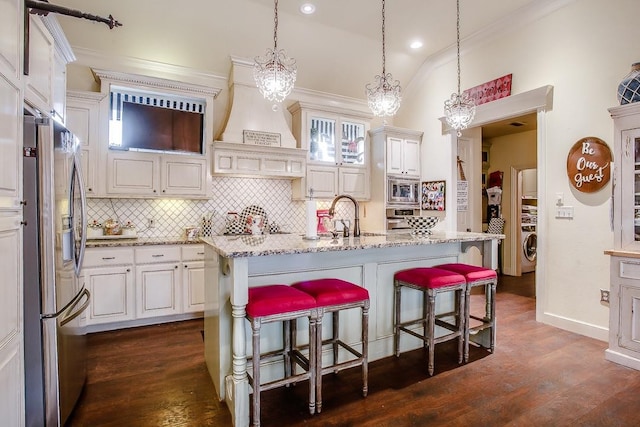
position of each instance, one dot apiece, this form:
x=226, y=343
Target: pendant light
x=383, y=96
x=275, y=73
x=460, y=109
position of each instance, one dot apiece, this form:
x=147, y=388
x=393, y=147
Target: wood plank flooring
x=538, y=376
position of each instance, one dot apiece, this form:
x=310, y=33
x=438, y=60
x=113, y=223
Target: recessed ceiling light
x=416, y=44
x=307, y=8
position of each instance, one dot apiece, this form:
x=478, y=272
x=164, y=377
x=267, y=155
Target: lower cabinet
x=624, y=312
x=150, y=284
x=112, y=294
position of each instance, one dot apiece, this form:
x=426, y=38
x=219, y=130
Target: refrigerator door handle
x=76, y=179
x=73, y=312
x=68, y=306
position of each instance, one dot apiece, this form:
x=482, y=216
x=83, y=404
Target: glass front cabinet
x=624, y=287
x=338, y=151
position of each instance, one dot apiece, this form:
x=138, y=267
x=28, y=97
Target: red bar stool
x=281, y=303
x=431, y=282
x=478, y=276
x=333, y=296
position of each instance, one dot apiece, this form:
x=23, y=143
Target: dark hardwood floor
x=538, y=376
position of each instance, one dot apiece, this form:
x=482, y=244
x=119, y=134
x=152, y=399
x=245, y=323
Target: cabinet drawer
x=101, y=257
x=153, y=254
x=193, y=252
x=630, y=269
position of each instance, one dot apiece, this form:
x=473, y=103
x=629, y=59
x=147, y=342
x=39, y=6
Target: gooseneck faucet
x=356, y=221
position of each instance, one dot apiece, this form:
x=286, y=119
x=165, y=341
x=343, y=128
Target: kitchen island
x=235, y=263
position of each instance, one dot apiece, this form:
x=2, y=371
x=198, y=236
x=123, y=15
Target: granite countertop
x=139, y=241
x=282, y=244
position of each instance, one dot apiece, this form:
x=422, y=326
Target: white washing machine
x=529, y=249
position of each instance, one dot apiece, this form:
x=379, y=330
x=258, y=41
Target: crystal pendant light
x=383, y=96
x=460, y=109
x=275, y=73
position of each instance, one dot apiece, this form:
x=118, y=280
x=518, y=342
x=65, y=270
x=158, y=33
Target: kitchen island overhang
x=235, y=263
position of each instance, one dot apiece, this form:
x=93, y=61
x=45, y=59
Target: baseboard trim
x=575, y=326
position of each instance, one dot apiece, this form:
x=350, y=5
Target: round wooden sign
x=589, y=164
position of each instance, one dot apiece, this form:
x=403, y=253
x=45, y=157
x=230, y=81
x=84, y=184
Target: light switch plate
x=565, y=212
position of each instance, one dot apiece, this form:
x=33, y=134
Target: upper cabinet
x=82, y=118
x=337, y=144
x=403, y=155
x=39, y=66
x=151, y=175
x=626, y=220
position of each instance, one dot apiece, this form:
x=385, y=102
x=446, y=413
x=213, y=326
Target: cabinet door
x=10, y=144
x=322, y=139
x=82, y=119
x=353, y=147
x=184, y=176
x=629, y=186
x=11, y=330
x=157, y=289
x=39, y=82
x=323, y=180
x=59, y=87
x=133, y=173
x=193, y=286
x=630, y=317
x=394, y=155
x=112, y=296
x=355, y=182
x=411, y=157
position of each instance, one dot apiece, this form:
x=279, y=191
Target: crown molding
x=122, y=77
x=60, y=40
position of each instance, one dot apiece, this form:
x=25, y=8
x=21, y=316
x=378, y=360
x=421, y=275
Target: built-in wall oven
x=403, y=192
x=396, y=218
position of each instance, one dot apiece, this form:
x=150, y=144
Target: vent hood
x=249, y=111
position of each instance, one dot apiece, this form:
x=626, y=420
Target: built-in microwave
x=403, y=192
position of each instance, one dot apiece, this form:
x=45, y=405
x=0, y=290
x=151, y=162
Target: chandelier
x=275, y=73
x=383, y=96
x=460, y=109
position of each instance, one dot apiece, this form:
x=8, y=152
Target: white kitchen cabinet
x=40, y=73
x=193, y=278
x=82, y=118
x=334, y=139
x=158, y=281
x=153, y=175
x=158, y=289
x=403, y=156
x=112, y=294
x=624, y=288
x=12, y=391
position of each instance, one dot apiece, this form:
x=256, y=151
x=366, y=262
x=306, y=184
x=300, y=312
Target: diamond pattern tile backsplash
x=229, y=194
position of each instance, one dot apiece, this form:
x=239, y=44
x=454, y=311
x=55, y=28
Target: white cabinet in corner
x=236, y=159
x=403, y=156
x=193, y=278
x=136, y=174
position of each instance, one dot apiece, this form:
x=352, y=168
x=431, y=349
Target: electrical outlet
x=151, y=223
x=604, y=295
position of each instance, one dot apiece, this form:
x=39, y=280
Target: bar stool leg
x=492, y=314
x=365, y=350
x=467, y=317
x=318, y=360
x=255, y=326
x=396, y=326
x=336, y=330
x=461, y=323
x=432, y=327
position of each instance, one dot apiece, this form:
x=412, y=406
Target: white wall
x=582, y=49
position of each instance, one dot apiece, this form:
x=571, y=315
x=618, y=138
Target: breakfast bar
x=233, y=264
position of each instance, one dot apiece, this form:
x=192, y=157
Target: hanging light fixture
x=383, y=96
x=460, y=109
x=275, y=73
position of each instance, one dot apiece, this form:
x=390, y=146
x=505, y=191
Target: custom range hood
x=256, y=140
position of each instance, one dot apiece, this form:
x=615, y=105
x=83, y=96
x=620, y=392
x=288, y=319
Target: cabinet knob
x=154, y=191
x=176, y=266
x=164, y=191
x=90, y=189
x=186, y=266
x=128, y=270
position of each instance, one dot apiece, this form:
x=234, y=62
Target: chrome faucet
x=356, y=221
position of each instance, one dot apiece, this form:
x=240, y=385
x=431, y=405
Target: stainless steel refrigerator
x=54, y=296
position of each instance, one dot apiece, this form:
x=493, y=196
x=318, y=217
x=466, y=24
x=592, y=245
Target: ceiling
x=338, y=49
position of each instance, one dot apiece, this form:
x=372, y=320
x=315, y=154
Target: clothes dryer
x=529, y=250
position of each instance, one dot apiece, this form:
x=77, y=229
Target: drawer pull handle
x=157, y=256
x=200, y=253
x=107, y=258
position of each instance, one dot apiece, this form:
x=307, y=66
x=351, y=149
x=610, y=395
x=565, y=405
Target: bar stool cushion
x=332, y=291
x=276, y=299
x=429, y=277
x=471, y=272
